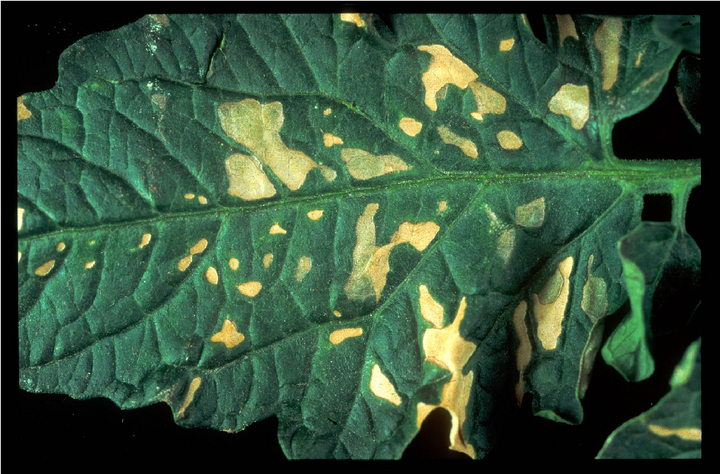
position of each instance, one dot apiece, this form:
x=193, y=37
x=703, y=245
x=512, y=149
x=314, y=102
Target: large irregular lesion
x=371, y=263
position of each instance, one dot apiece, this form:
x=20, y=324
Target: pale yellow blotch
x=444, y=69
x=327, y=111
x=90, y=264
x=184, y=263
x=337, y=313
x=194, y=385
x=60, y=247
x=234, y=263
x=607, y=41
x=448, y=350
x=550, y=303
x=257, y=127
x=364, y=165
x=250, y=288
x=574, y=102
x=524, y=350
x=381, y=386
x=45, y=268
x=202, y=200
x=442, y=206
x=159, y=100
x=276, y=229
x=353, y=18
x=339, y=335
x=228, y=335
x=594, y=299
x=212, y=275
x=303, y=268
x=566, y=27
x=161, y=19
x=329, y=140
x=509, y=140
x=488, y=101
x=371, y=263
x=189, y=196
x=19, y=256
x=431, y=311
x=20, y=214
x=689, y=434
x=199, y=247
x=315, y=214
x=506, y=244
x=506, y=45
x=267, y=260
x=22, y=111
x=639, y=58
x=410, y=126
x=531, y=214
x=144, y=240
x=247, y=179
x=465, y=145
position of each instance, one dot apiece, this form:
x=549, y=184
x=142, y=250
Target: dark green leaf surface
x=672, y=428
x=344, y=227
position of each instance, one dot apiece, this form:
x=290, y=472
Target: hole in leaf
x=432, y=441
x=660, y=132
x=537, y=25
x=657, y=207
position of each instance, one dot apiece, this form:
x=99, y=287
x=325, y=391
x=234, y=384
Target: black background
x=55, y=430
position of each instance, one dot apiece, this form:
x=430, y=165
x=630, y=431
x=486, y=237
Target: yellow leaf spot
x=488, y=101
x=144, y=240
x=410, y=126
x=234, y=263
x=465, y=145
x=509, y=140
x=690, y=434
x=531, y=214
x=228, y=335
x=506, y=45
x=212, y=275
x=353, y=18
x=329, y=140
x=594, y=299
x=199, y=247
x=566, y=27
x=194, y=385
x=189, y=196
x=327, y=111
x=19, y=256
x=184, y=263
x=381, y=386
x=276, y=229
x=45, y=268
x=607, y=41
x=430, y=310
x=20, y=214
x=247, y=179
x=444, y=69
x=202, y=199
x=267, y=260
x=524, y=350
x=573, y=102
x=315, y=214
x=445, y=348
x=337, y=313
x=257, y=127
x=60, y=247
x=550, y=303
x=506, y=244
x=22, y=111
x=442, y=206
x=371, y=263
x=303, y=268
x=364, y=165
x=638, y=59
x=90, y=264
x=250, y=288
x=339, y=335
